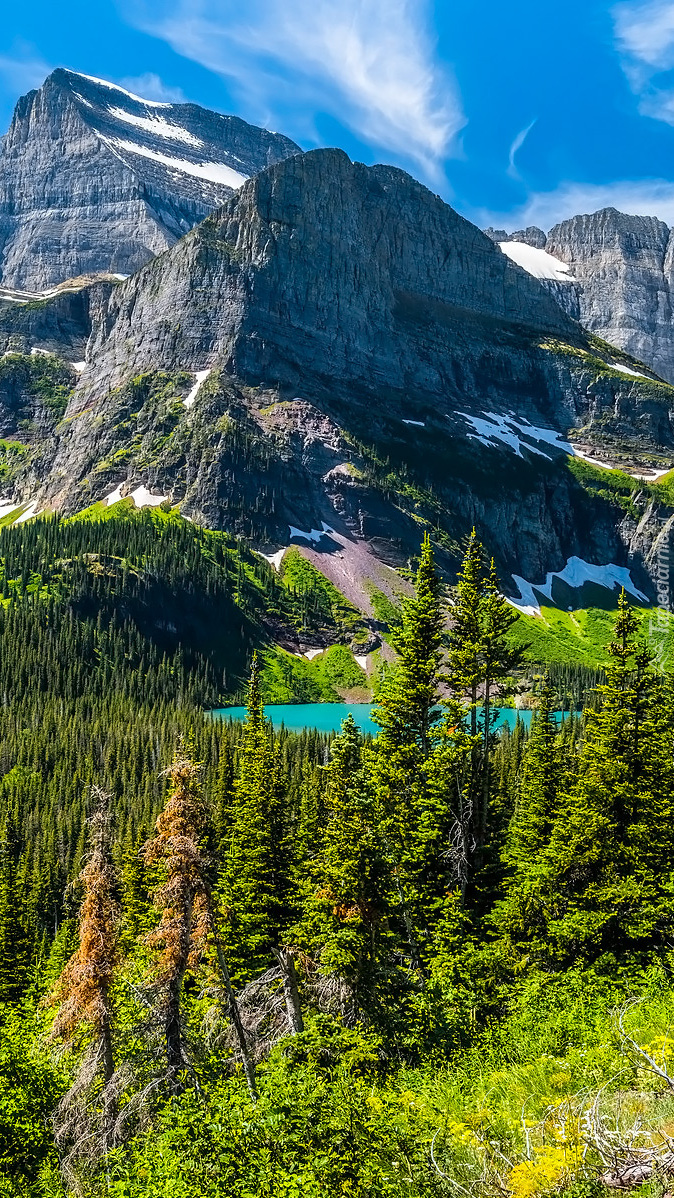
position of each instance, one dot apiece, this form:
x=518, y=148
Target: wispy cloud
x=644, y=197
x=517, y=145
x=369, y=63
x=23, y=68
x=645, y=36
x=151, y=87
x=646, y=32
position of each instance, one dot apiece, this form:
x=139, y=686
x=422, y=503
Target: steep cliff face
x=620, y=272
x=624, y=266
x=95, y=179
x=336, y=359
x=325, y=266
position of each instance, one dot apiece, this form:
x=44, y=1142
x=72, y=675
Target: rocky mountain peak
x=320, y=266
x=94, y=178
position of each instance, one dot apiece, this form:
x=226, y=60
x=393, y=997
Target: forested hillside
x=237, y=962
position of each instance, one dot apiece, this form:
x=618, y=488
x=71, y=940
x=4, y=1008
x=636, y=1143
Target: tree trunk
x=109, y=1102
x=174, y=1050
x=248, y=1066
x=290, y=989
x=484, y=807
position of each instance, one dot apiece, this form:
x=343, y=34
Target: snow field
x=538, y=263
x=575, y=573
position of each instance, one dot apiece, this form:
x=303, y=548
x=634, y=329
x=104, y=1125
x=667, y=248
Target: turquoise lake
x=327, y=717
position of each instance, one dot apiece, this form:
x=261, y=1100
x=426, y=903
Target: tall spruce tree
x=414, y=811
x=602, y=886
x=253, y=882
x=344, y=911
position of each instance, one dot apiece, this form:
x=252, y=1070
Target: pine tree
x=602, y=885
x=346, y=904
x=414, y=811
x=182, y=899
x=83, y=989
x=481, y=661
x=538, y=791
x=253, y=884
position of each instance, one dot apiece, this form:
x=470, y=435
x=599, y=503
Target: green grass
x=290, y=679
x=582, y=637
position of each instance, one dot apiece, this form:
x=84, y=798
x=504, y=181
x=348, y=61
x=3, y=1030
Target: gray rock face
x=532, y=235
x=60, y=323
x=625, y=267
x=322, y=266
x=94, y=179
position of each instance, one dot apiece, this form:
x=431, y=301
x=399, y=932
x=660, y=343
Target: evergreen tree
x=183, y=899
x=602, y=884
x=252, y=884
x=345, y=909
x=414, y=810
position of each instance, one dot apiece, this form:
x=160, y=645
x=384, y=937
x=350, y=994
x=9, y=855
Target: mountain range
x=310, y=351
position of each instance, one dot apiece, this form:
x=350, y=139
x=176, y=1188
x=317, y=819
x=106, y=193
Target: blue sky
x=516, y=112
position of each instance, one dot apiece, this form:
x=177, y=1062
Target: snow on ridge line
x=213, y=172
x=116, y=88
x=200, y=376
x=156, y=125
x=575, y=573
x=627, y=370
x=418, y=423
x=536, y=262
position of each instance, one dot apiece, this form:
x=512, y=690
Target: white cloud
x=369, y=63
x=517, y=145
x=645, y=32
x=151, y=87
x=644, y=197
x=645, y=35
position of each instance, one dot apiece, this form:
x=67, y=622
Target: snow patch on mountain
x=575, y=573
x=214, y=172
x=156, y=125
x=116, y=88
x=638, y=374
x=538, y=263
x=200, y=376
x=510, y=431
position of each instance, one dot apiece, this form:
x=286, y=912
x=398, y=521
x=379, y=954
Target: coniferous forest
x=240, y=962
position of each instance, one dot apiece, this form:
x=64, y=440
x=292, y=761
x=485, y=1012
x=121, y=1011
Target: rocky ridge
x=621, y=271
x=94, y=178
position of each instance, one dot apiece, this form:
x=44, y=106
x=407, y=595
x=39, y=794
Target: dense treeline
x=247, y=963
x=142, y=591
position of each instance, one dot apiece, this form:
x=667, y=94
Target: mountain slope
x=93, y=178
x=336, y=359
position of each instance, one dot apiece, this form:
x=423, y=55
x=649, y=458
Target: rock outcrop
x=93, y=178
x=625, y=266
x=621, y=270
